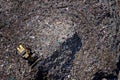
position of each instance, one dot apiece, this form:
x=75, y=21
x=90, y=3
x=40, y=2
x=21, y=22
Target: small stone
x=104, y=79
x=32, y=37
x=2, y=65
x=58, y=22
x=67, y=8
x=68, y=76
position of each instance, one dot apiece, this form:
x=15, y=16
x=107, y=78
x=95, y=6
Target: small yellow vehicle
x=27, y=55
x=24, y=52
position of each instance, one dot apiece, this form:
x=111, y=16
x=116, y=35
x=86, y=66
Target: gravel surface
x=77, y=40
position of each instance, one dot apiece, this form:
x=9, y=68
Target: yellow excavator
x=27, y=55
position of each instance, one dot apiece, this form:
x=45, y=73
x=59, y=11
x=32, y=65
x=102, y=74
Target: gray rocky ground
x=78, y=40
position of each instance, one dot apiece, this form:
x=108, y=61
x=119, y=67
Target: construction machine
x=27, y=54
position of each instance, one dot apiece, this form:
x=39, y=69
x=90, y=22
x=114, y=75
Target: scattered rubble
x=49, y=28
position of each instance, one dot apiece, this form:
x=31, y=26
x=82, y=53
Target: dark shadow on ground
x=59, y=64
x=100, y=74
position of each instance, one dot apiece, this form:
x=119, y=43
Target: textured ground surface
x=79, y=40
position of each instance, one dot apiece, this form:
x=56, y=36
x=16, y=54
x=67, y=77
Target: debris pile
x=77, y=40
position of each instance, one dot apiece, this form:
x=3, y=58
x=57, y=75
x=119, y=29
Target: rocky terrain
x=77, y=40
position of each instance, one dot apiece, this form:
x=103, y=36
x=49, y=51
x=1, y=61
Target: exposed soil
x=76, y=40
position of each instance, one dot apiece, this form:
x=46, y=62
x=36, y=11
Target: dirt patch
x=46, y=26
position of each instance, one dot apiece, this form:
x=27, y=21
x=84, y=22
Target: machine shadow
x=59, y=64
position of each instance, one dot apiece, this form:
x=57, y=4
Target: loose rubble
x=48, y=28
